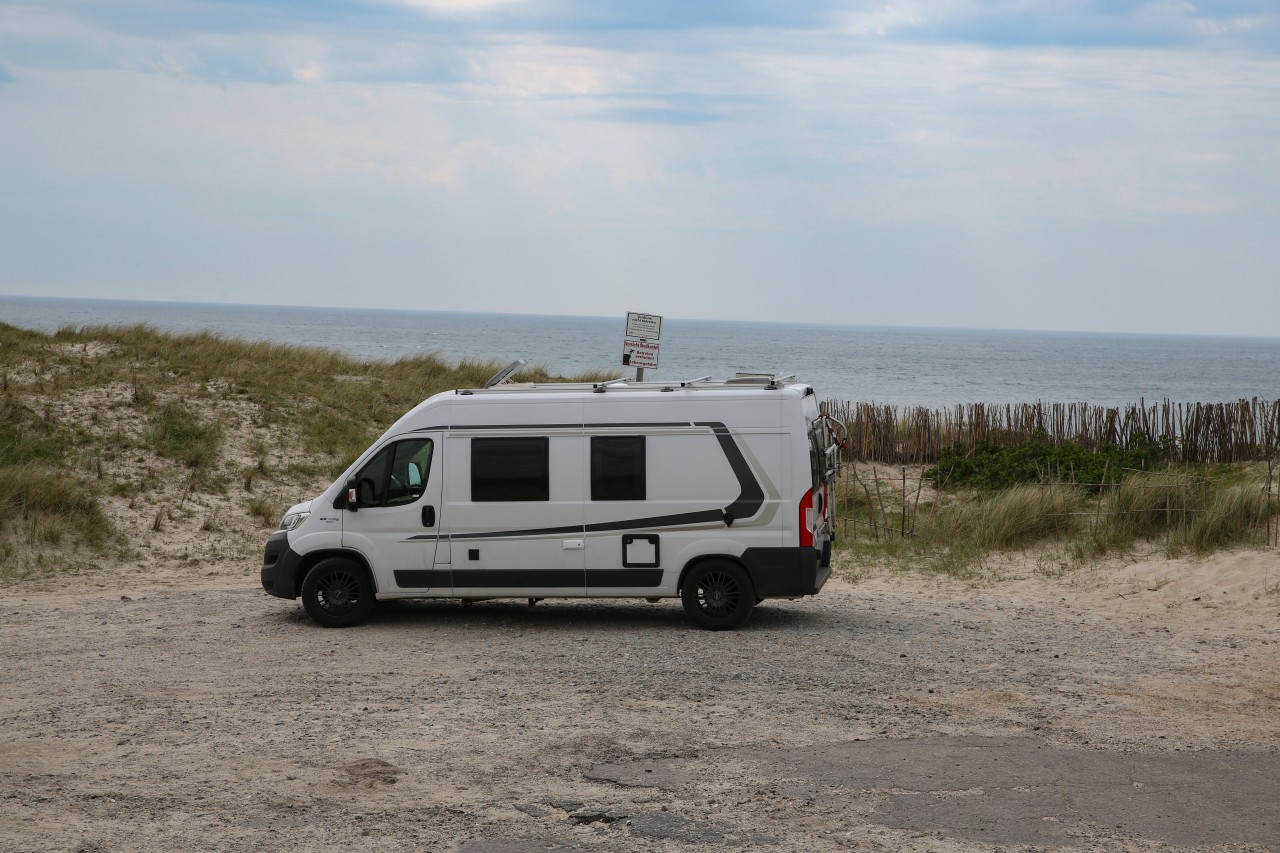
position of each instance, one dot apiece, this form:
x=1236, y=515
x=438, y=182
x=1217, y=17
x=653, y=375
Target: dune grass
x=26, y=437
x=337, y=404
x=1011, y=518
x=1177, y=510
x=177, y=433
x=266, y=510
x=49, y=505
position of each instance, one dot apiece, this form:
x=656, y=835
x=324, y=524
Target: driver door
x=397, y=517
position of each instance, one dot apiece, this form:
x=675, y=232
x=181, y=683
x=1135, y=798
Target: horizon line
x=622, y=318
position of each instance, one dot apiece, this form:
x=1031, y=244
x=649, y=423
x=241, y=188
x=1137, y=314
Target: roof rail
x=499, y=383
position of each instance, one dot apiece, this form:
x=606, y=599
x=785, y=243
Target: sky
x=1096, y=165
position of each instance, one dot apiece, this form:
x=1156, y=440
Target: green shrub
x=52, y=502
x=179, y=434
x=266, y=510
x=26, y=437
x=1011, y=518
x=1150, y=502
x=1038, y=460
x=1229, y=516
x=342, y=436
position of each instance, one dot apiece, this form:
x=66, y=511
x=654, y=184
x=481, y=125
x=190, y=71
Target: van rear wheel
x=337, y=593
x=717, y=595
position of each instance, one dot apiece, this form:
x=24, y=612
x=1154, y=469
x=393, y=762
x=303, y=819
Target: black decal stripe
x=519, y=578
x=654, y=425
x=619, y=578
x=506, y=534
x=683, y=519
x=529, y=578
x=424, y=579
x=464, y=427
x=679, y=520
x=752, y=496
x=617, y=425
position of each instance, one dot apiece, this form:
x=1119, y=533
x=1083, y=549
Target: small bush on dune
x=1038, y=460
x=52, y=502
x=1148, y=503
x=1191, y=513
x=26, y=437
x=1229, y=516
x=1012, y=518
x=338, y=434
x=1023, y=515
x=266, y=510
x=179, y=434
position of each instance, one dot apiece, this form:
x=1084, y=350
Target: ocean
x=887, y=365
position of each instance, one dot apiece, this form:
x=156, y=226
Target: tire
x=717, y=595
x=337, y=593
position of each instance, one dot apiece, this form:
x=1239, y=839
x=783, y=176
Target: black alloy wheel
x=718, y=595
x=337, y=593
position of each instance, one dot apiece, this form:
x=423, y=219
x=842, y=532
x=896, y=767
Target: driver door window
x=396, y=475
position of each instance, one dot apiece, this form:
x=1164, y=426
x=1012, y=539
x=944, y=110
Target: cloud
x=459, y=7
x=1253, y=24
x=656, y=115
x=5, y=76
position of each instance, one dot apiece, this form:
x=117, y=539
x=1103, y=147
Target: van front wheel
x=337, y=593
x=717, y=595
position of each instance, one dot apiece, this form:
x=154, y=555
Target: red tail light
x=806, y=520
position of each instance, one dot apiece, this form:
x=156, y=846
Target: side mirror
x=353, y=496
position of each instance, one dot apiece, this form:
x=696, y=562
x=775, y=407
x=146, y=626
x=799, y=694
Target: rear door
x=398, y=515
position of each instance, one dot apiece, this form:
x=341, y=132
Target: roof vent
x=505, y=373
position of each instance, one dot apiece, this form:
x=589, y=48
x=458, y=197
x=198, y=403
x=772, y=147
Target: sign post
x=640, y=344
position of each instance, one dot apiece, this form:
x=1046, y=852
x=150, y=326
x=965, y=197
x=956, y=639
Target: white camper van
x=715, y=492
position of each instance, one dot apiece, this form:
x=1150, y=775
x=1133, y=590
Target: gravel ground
x=206, y=715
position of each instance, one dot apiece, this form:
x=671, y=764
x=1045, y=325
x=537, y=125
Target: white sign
x=639, y=353
x=645, y=326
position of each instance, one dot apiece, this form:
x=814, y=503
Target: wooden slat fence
x=1242, y=431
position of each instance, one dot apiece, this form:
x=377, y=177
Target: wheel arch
x=705, y=558
x=310, y=559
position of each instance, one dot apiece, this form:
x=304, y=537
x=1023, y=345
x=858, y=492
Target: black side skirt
x=529, y=579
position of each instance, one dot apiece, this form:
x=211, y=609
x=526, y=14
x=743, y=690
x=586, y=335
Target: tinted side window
x=617, y=468
x=510, y=469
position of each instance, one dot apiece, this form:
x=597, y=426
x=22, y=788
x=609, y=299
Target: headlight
x=292, y=520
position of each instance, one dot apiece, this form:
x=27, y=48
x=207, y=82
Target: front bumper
x=280, y=566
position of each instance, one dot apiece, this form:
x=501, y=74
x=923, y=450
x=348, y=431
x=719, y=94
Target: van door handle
x=428, y=516
x=571, y=544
